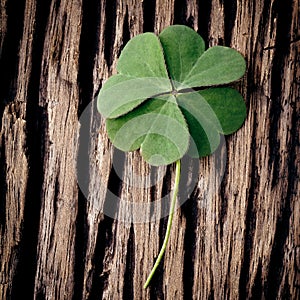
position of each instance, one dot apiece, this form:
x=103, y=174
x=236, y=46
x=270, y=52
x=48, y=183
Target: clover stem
x=170, y=219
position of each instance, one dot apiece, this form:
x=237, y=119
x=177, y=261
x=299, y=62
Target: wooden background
x=243, y=243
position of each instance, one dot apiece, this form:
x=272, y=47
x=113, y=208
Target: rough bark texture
x=241, y=241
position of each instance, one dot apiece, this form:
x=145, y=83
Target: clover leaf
x=168, y=99
x=150, y=103
x=160, y=118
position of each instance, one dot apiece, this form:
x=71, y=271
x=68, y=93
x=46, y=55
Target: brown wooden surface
x=242, y=242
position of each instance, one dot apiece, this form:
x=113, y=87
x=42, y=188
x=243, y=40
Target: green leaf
x=143, y=57
x=142, y=75
x=228, y=106
x=182, y=48
x=122, y=93
x=157, y=127
x=208, y=113
x=217, y=65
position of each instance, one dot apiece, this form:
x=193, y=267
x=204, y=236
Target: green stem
x=170, y=219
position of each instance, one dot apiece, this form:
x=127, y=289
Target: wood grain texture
x=238, y=234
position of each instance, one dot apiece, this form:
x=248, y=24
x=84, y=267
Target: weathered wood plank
x=59, y=98
x=13, y=154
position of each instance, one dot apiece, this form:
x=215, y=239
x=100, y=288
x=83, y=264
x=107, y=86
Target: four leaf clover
x=162, y=100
